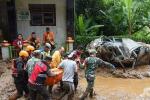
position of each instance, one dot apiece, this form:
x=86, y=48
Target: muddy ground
x=131, y=85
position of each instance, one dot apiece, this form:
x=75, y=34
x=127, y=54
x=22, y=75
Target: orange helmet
x=30, y=48
x=23, y=53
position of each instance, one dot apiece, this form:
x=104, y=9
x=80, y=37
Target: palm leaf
x=94, y=27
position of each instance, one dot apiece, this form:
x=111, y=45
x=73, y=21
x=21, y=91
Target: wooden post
x=70, y=42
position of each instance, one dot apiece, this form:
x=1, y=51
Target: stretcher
x=54, y=79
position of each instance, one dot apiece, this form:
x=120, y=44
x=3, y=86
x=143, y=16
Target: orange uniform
x=48, y=37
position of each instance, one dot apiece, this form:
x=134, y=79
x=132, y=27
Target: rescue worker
x=46, y=51
x=20, y=75
x=91, y=63
x=37, y=79
x=30, y=50
x=34, y=40
x=48, y=37
x=69, y=67
x=57, y=57
x=77, y=53
x=32, y=61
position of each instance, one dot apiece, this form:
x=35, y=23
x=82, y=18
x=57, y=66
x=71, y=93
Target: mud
x=120, y=89
x=7, y=87
x=139, y=72
x=131, y=85
x=119, y=85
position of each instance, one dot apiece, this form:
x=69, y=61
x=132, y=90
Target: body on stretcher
x=54, y=79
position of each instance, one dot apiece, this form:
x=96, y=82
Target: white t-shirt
x=70, y=67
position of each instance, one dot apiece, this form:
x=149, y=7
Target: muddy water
x=114, y=87
x=135, y=86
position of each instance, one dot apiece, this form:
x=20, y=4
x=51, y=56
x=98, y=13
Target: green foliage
x=90, y=8
x=142, y=35
x=84, y=40
x=130, y=10
x=127, y=9
x=80, y=26
x=85, y=27
x=119, y=17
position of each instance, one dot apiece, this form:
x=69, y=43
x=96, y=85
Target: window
x=42, y=14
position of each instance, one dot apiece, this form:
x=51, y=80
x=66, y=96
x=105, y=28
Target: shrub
x=84, y=40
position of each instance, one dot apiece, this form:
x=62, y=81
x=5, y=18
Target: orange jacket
x=48, y=37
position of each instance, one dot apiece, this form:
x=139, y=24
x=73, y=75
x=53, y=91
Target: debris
x=146, y=74
x=121, y=51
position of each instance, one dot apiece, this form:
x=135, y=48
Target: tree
x=117, y=16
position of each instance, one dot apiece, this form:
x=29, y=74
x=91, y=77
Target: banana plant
x=130, y=8
x=84, y=26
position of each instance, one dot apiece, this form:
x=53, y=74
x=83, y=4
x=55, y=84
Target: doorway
x=12, y=24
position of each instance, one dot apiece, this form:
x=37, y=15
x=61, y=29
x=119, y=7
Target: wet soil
x=131, y=85
x=119, y=85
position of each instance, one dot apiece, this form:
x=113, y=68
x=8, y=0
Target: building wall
x=24, y=27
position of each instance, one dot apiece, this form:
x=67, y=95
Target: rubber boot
x=91, y=93
x=50, y=89
x=76, y=81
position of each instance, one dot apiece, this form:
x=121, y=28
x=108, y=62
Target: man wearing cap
x=69, y=67
x=20, y=75
x=46, y=51
x=90, y=64
x=30, y=50
x=37, y=79
x=77, y=53
x=32, y=61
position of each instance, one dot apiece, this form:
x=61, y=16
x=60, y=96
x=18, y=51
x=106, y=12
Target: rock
x=120, y=75
x=139, y=76
x=146, y=74
x=126, y=75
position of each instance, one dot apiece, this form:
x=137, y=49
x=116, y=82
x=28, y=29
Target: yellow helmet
x=30, y=48
x=23, y=53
